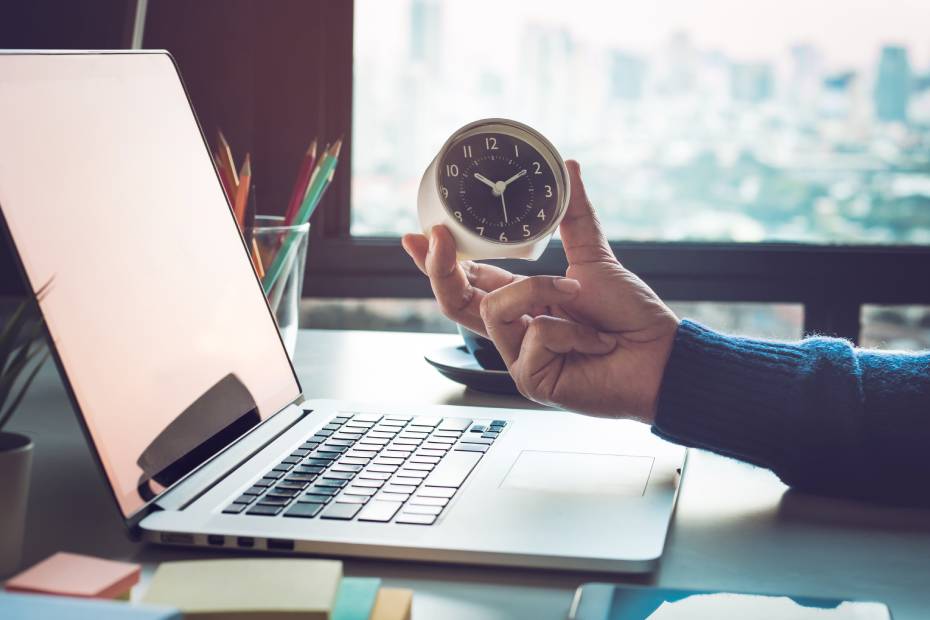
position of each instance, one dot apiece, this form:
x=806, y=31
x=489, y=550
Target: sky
x=848, y=32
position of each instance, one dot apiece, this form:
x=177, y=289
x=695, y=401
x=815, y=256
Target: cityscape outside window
x=721, y=120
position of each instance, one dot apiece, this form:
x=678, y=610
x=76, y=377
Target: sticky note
x=70, y=574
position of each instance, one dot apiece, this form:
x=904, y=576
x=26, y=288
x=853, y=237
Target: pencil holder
x=279, y=259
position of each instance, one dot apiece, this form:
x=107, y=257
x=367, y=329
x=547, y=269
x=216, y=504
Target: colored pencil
x=320, y=180
x=257, y=259
x=242, y=194
x=227, y=166
x=301, y=184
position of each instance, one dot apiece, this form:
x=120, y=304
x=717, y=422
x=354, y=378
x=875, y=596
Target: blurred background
x=764, y=165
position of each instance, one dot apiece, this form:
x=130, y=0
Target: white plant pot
x=15, y=467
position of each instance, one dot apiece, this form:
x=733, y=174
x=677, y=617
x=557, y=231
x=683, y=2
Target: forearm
x=822, y=415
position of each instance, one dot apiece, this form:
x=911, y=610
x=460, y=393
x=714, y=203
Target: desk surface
x=736, y=527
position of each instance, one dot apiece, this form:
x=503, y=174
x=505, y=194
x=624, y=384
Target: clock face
x=499, y=187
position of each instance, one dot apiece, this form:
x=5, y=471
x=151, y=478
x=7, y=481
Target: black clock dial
x=498, y=187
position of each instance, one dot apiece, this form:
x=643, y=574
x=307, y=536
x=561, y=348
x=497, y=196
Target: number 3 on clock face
x=499, y=187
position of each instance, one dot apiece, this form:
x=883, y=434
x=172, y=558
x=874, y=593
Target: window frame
x=832, y=282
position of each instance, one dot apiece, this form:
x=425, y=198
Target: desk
x=736, y=527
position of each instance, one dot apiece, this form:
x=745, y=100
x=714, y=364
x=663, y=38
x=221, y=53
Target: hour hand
x=484, y=180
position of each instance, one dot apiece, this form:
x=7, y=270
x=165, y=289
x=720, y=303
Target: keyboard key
x=317, y=461
x=362, y=454
x=289, y=491
x=234, y=509
x=443, y=440
x=308, y=469
x=401, y=454
x=279, y=470
x=389, y=469
x=354, y=460
x=407, y=441
x=499, y=423
x=374, y=475
x=328, y=447
x=318, y=489
x=454, y=424
x=412, y=473
x=305, y=511
x=436, y=492
x=264, y=511
x=331, y=427
x=366, y=417
x=245, y=498
x=288, y=484
x=413, y=435
x=379, y=511
x=425, y=421
x=418, y=467
x=342, y=418
x=339, y=442
x=433, y=445
x=372, y=443
x=354, y=490
x=352, y=499
x=310, y=445
x=410, y=482
x=453, y=469
x=414, y=519
x=452, y=434
x=428, y=452
x=361, y=482
x=398, y=488
x=379, y=435
x=273, y=500
x=395, y=424
x=341, y=511
x=393, y=497
x=346, y=436
x=292, y=460
x=395, y=416
x=314, y=499
x=419, y=500
x=331, y=482
x=384, y=460
x=326, y=454
x=307, y=478
x=417, y=458
x=473, y=439
x=300, y=452
x=472, y=447
x=340, y=475
x=255, y=490
x=478, y=428
x=342, y=466
x=265, y=482
x=490, y=435
x=414, y=509
x=390, y=430
x=321, y=434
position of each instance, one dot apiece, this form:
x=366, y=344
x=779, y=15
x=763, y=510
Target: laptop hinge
x=215, y=470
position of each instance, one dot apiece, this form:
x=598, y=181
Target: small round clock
x=499, y=187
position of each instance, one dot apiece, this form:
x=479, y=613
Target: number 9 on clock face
x=498, y=183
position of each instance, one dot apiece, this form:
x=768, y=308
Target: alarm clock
x=500, y=188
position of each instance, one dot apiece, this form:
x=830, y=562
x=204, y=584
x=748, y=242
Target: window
x=691, y=121
x=896, y=327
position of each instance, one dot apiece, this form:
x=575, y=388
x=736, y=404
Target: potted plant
x=22, y=353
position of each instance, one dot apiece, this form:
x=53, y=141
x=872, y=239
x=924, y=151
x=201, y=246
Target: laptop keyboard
x=368, y=467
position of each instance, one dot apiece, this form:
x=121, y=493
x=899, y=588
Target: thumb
x=582, y=236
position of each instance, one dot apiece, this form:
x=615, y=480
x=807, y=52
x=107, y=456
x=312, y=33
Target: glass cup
x=283, y=255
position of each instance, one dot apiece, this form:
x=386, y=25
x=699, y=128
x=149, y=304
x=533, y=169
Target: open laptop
x=166, y=344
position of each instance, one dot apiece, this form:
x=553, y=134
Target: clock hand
x=504, y=205
x=514, y=178
x=484, y=180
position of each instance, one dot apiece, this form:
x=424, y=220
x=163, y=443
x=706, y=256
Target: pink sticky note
x=69, y=574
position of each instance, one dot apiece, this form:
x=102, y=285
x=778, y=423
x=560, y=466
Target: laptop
x=174, y=364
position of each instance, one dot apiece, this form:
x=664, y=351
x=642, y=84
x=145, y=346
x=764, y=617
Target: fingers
x=582, y=236
x=488, y=277
x=506, y=311
x=548, y=338
x=416, y=246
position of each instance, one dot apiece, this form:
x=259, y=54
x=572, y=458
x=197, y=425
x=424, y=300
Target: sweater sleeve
x=824, y=416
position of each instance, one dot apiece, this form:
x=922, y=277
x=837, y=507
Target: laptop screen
x=156, y=315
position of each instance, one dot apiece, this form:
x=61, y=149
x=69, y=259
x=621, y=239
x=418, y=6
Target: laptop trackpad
x=579, y=473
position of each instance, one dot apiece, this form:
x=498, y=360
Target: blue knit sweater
x=824, y=416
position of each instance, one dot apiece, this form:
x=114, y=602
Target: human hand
x=595, y=342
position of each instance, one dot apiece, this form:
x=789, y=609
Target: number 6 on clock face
x=499, y=186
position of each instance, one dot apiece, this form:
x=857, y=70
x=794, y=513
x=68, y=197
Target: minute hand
x=514, y=177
